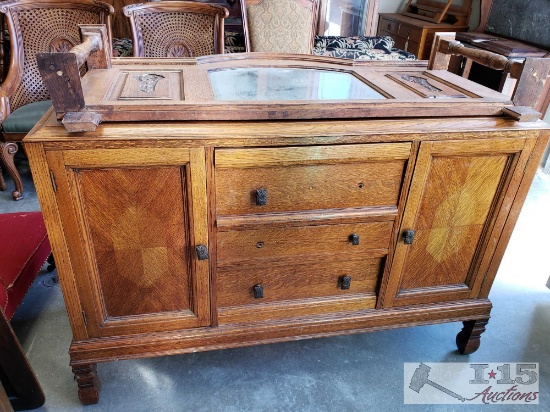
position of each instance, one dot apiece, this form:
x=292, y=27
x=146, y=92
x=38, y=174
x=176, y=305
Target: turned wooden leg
x=7, y=152
x=467, y=339
x=51, y=263
x=88, y=383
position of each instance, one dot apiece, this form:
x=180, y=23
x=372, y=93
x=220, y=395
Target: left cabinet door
x=132, y=220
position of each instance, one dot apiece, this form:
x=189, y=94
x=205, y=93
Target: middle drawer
x=266, y=180
x=291, y=244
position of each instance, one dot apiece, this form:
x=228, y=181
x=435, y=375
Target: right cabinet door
x=459, y=200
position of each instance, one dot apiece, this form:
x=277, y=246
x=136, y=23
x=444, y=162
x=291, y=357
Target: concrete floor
x=348, y=373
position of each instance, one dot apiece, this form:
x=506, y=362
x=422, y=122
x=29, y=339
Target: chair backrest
x=176, y=28
x=36, y=26
x=280, y=26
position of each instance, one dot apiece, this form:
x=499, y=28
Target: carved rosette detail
x=11, y=148
x=7, y=4
x=148, y=82
x=128, y=10
x=422, y=82
x=179, y=49
x=61, y=45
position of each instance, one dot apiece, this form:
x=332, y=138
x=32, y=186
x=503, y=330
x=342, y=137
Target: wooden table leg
x=7, y=153
x=468, y=339
x=88, y=383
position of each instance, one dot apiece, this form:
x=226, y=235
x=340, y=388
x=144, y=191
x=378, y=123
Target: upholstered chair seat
x=23, y=119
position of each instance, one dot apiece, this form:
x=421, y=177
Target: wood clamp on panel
x=61, y=75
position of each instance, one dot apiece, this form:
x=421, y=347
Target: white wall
x=391, y=6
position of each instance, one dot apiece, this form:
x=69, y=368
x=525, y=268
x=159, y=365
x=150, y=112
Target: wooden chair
x=36, y=26
x=176, y=28
x=280, y=26
x=517, y=36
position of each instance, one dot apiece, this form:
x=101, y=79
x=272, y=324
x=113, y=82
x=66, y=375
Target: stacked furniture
x=281, y=197
x=514, y=29
x=363, y=47
x=414, y=29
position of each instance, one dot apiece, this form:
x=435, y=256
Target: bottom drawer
x=401, y=43
x=297, y=290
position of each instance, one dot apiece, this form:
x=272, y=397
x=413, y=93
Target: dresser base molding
x=240, y=335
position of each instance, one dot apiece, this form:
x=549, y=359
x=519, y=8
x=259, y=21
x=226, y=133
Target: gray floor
x=348, y=373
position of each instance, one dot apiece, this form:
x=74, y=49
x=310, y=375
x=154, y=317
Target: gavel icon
x=420, y=378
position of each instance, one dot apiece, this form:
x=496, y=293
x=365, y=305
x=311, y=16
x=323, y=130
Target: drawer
x=277, y=245
x=410, y=32
x=410, y=46
x=389, y=25
x=308, y=178
x=299, y=281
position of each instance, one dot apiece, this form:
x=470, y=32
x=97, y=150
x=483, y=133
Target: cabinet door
x=458, y=202
x=133, y=218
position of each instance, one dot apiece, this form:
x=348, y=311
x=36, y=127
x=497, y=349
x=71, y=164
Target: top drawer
x=389, y=26
x=410, y=32
x=252, y=181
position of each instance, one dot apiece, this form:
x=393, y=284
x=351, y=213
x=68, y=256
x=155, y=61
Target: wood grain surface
x=126, y=206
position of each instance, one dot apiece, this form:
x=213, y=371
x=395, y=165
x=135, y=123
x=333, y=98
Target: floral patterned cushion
x=357, y=48
x=234, y=42
x=365, y=54
x=122, y=48
x=354, y=43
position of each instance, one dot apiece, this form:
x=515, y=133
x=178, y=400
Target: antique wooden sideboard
x=232, y=200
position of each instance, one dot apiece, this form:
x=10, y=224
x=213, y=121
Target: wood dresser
x=236, y=200
x=413, y=35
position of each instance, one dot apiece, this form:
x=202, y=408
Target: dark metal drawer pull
x=258, y=291
x=354, y=239
x=261, y=197
x=408, y=236
x=346, y=282
x=202, y=252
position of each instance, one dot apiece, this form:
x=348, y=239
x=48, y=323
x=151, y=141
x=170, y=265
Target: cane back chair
x=36, y=26
x=280, y=26
x=176, y=28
